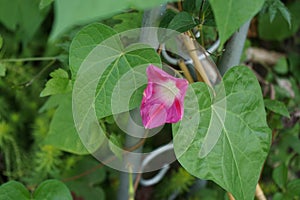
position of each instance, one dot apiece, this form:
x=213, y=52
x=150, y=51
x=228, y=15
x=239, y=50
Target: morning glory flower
x=162, y=99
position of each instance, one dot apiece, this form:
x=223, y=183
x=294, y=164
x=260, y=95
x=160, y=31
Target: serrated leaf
x=52, y=190
x=62, y=133
x=232, y=15
x=13, y=190
x=2, y=69
x=279, y=175
x=272, y=7
x=231, y=126
x=182, y=22
x=285, y=13
x=179, y=22
x=73, y=12
x=58, y=84
x=128, y=21
x=277, y=107
x=269, y=30
x=85, y=41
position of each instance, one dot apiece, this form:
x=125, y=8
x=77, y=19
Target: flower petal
x=156, y=116
x=163, y=98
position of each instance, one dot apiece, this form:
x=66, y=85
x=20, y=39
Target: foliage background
x=36, y=77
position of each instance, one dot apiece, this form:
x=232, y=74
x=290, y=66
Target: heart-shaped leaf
x=14, y=190
x=52, y=190
x=49, y=189
x=231, y=15
x=85, y=41
x=224, y=136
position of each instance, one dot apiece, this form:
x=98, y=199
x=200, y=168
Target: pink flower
x=162, y=99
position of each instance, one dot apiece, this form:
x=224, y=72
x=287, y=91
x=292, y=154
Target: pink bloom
x=162, y=99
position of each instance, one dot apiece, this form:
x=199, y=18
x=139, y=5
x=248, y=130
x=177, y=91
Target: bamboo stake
x=185, y=70
x=188, y=42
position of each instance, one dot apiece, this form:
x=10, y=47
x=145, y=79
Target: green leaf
x=277, y=107
x=128, y=21
x=278, y=196
x=182, y=22
x=279, y=175
x=232, y=15
x=2, y=69
x=45, y=3
x=15, y=15
x=293, y=188
x=189, y=5
x=13, y=190
x=225, y=138
x=87, y=186
x=58, y=84
x=272, y=6
x=85, y=41
x=52, y=190
x=62, y=133
x=281, y=66
x=135, y=57
x=269, y=30
x=284, y=12
x=74, y=12
x=85, y=191
x=167, y=18
x=206, y=13
x=85, y=164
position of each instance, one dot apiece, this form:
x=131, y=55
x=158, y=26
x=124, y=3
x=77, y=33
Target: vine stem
x=107, y=161
x=28, y=59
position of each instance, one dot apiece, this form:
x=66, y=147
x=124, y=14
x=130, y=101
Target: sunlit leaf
x=62, y=133
x=224, y=137
x=58, y=84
